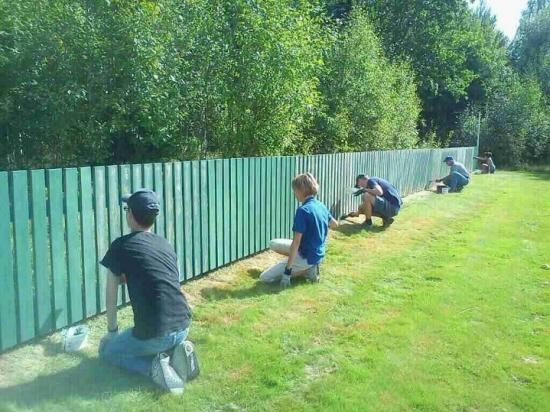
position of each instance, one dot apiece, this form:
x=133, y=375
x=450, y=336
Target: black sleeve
x=112, y=259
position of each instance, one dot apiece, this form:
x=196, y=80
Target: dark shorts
x=383, y=208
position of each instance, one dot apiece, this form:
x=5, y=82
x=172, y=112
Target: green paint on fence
x=74, y=245
x=23, y=259
x=178, y=218
x=61, y=222
x=44, y=318
x=188, y=220
x=102, y=231
x=89, y=254
x=8, y=315
x=58, y=248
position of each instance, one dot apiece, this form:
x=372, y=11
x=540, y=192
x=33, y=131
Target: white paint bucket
x=75, y=338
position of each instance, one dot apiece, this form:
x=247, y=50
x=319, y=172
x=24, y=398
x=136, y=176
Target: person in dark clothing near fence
x=378, y=198
x=156, y=346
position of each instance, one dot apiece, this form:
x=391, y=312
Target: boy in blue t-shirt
x=307, y=249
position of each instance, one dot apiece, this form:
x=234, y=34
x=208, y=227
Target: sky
x=508, y=13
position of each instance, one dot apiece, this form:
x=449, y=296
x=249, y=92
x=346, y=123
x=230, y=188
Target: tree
x=516, y=126
x=266, y=56
x=123, y=81
x=531, y=47
x=90, y=82
x=370, y=103
x=453, y=51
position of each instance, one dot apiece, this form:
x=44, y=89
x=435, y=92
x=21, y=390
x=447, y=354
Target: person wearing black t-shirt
x=147, y=263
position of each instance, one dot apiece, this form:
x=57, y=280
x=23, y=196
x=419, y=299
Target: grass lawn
x=449, y=309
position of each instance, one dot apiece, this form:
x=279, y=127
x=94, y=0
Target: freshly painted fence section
x=56, y=224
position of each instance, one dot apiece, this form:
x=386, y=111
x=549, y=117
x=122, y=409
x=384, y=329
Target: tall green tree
x=531, y=46
x=452, y=51
x=123, y=81
x=90, y=82
x=262, y=63
x=370, y=103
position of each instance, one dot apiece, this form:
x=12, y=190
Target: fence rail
x=56, y=224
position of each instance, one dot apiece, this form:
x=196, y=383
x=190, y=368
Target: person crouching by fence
x=307, y=249
x=486, y=163
x=458, y=176
x=156, y=346
x=378, y=198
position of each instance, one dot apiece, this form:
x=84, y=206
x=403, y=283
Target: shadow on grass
x=354, y=229
x=257, y=289
x=90, y=380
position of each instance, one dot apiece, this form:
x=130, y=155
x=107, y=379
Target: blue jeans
x=136, y=355
x=455, y=180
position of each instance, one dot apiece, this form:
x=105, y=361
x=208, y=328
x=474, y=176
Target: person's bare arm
x=294, y=249
x=111, y=294
x=333, y=224
x=376, y=191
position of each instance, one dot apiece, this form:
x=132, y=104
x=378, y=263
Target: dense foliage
x=516, y=121
x=531, y=47
x=369, y=103
x=115, y=81
x=120, y=81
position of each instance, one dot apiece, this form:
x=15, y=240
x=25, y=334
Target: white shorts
x=275, y=272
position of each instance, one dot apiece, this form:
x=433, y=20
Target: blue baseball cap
x=143, y=201
x=448, y=158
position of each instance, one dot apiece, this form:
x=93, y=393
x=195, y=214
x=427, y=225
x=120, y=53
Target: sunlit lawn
x=446, y=310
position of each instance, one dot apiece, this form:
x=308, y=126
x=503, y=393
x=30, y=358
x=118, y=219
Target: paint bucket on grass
x=75, y=338
x=442, y=189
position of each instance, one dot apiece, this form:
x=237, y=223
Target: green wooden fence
x=56, y=224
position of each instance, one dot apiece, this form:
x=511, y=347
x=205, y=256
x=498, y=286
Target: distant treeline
x=119, y=81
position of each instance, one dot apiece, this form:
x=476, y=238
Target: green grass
x=446, y=310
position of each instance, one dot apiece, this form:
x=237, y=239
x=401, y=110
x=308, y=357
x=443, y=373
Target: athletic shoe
x=185, y=362
x=164, y=375
x=388, y=222
x=312, y=274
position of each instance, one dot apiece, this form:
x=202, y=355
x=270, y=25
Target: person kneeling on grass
x=486, y=163
x=307, y=249
x=457, y=178
x=379, y=198
x=156, y=346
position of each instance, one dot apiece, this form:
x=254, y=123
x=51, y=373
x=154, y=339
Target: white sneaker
x=164, y=375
